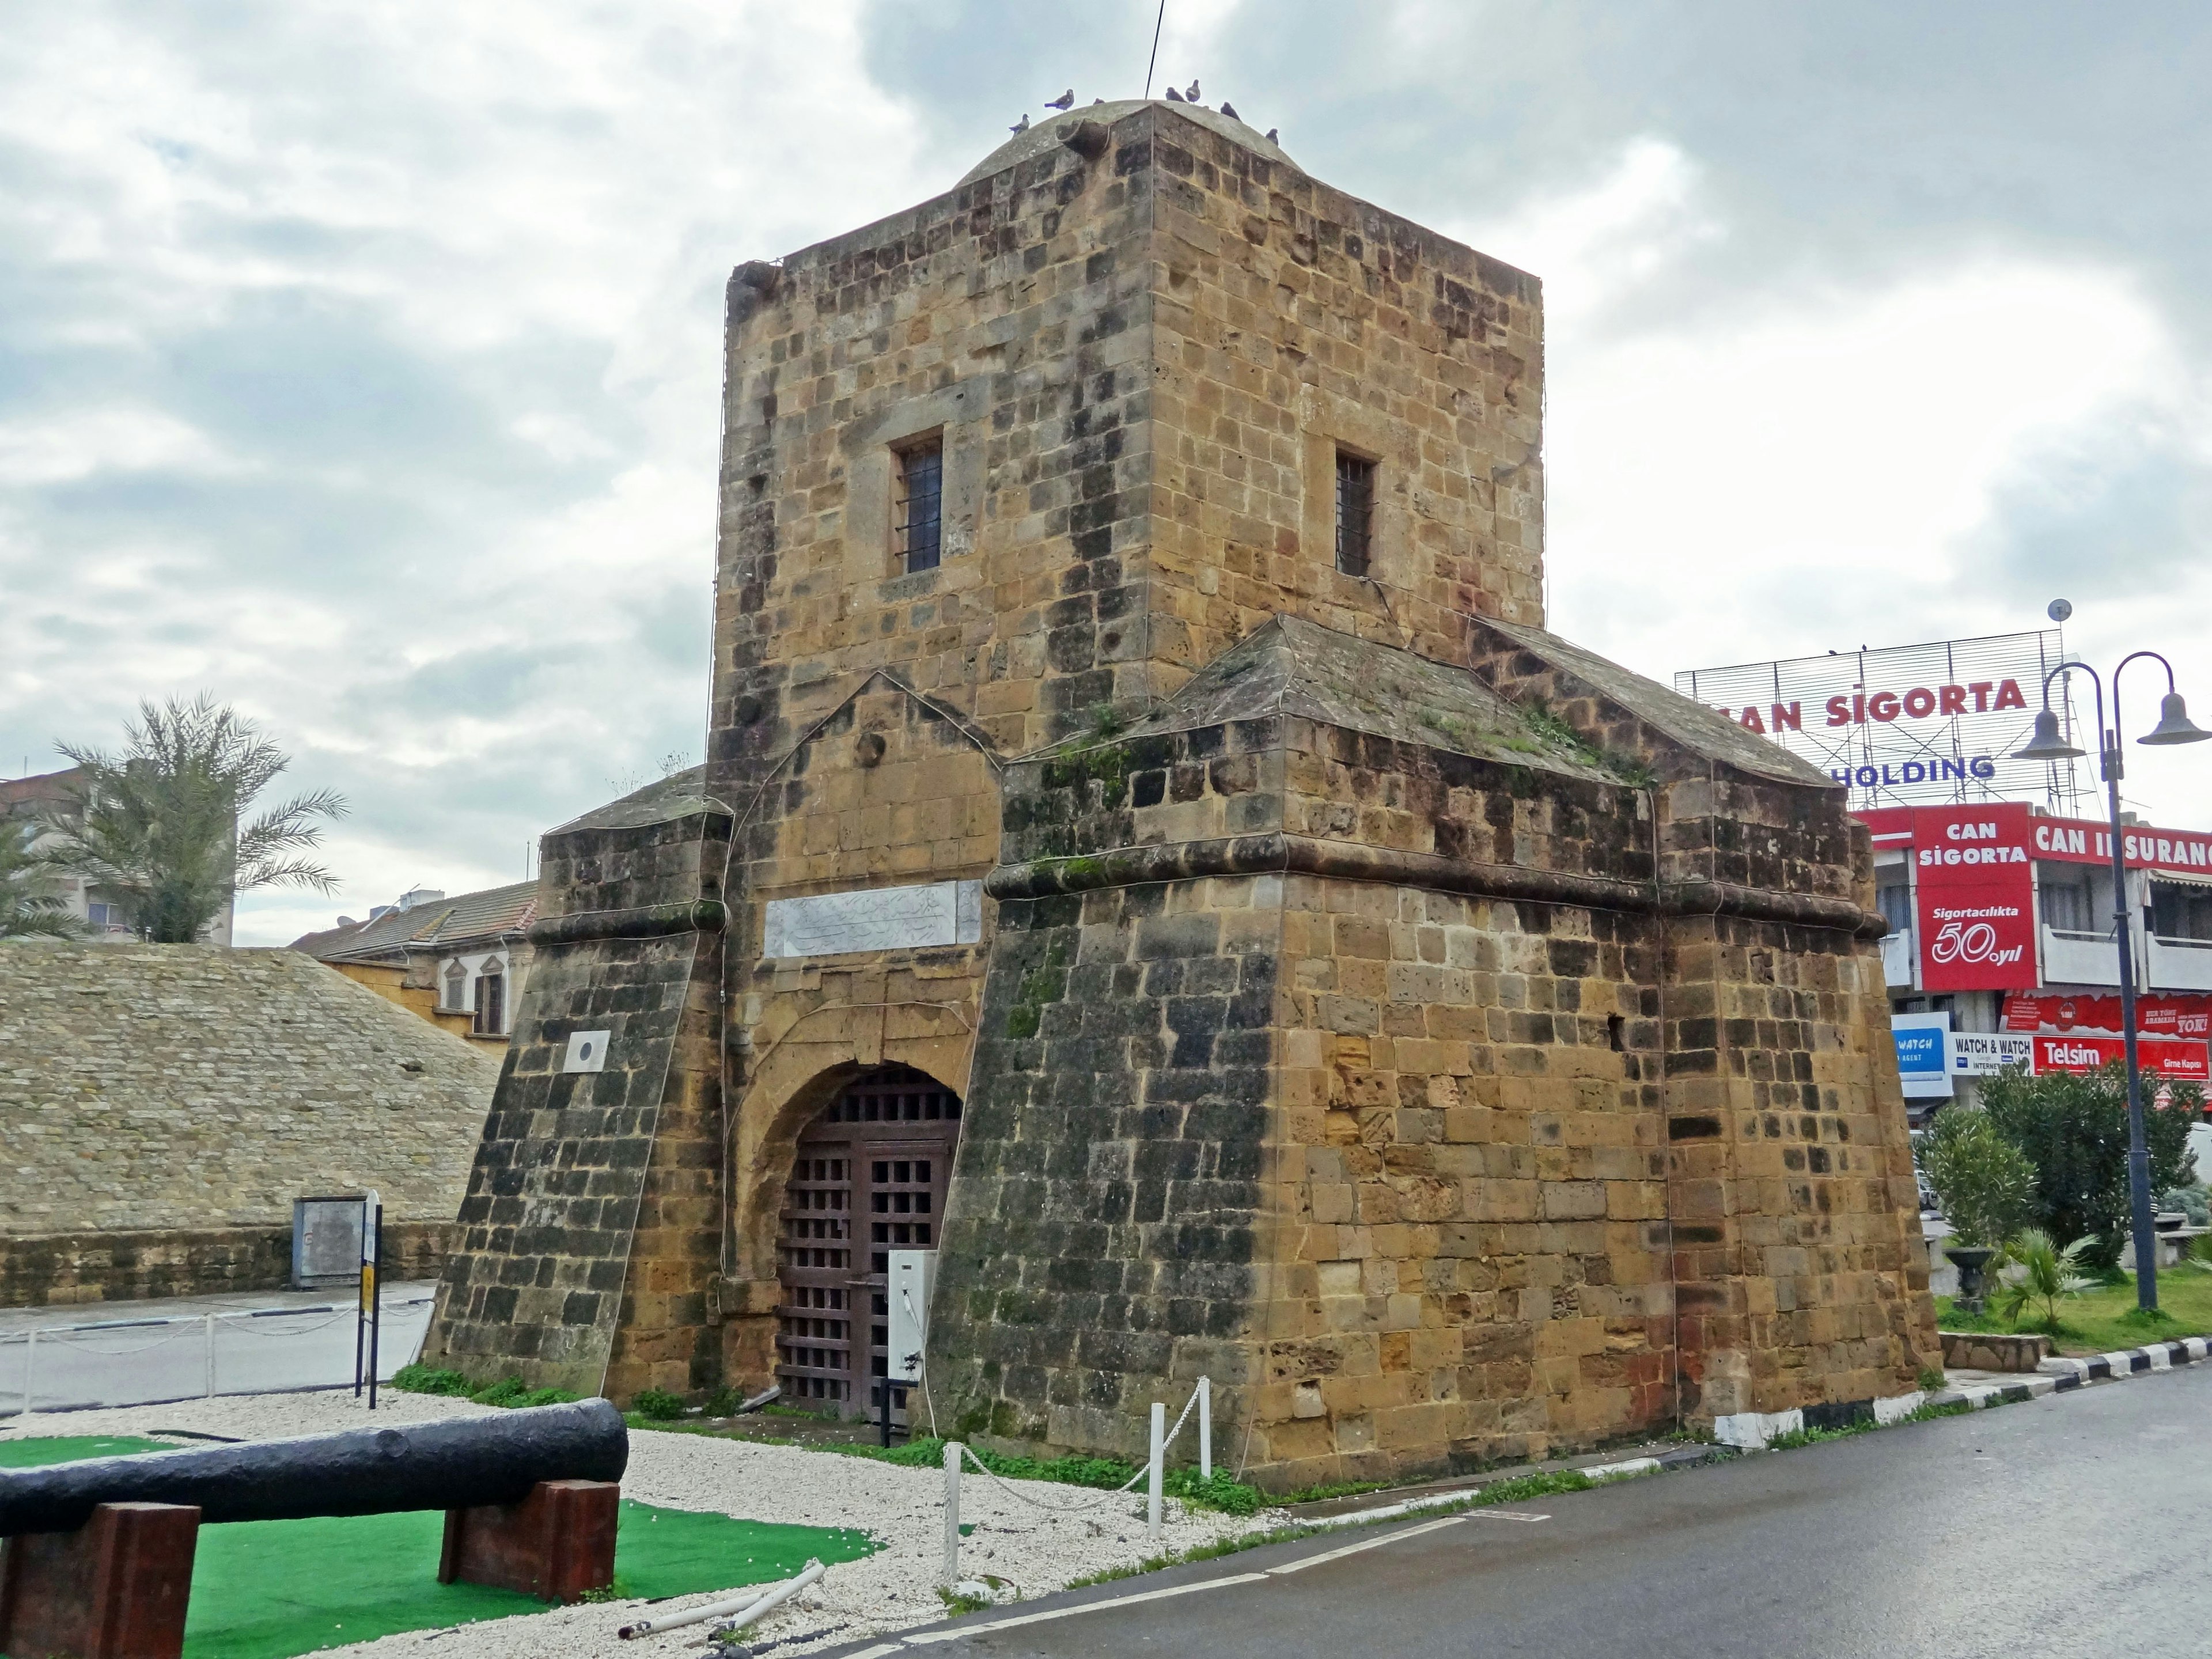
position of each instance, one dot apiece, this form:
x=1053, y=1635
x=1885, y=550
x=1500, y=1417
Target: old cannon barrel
x=453, y=1464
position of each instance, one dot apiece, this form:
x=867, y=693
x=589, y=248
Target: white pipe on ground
x=1205, y=1428
x=751, y=1604
x=950, y=1576
x=776, y=1597
x=1153, y=1472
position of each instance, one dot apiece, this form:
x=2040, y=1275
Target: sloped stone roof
x=1703, y=730
x=1291, y=666
x=679, y=795
x=187, y=1085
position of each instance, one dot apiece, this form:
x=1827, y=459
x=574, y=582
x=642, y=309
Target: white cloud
x=1826, y=467
x=93, y=441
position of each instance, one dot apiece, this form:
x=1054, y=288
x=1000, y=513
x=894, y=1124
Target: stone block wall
x=1103, y=1241
x=591, y=1226
x=1289, y=318
x=1477, y=1168
x=40, y=1270
x=163, y=1105
x=1564, y=1112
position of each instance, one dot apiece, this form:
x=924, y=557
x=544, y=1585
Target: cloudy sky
x=358, y=362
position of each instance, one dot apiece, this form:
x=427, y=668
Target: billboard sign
x=1974, y=897
x=1923, y=1054
x=1909, y=724
x=2067, y=840
x=2189, y=1063
x=2186, y=1015
x=1985, y=1053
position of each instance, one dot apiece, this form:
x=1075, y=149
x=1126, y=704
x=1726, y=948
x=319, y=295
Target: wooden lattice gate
x=869, y=1177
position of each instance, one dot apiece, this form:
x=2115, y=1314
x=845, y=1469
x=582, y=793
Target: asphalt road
x=2075, y=1524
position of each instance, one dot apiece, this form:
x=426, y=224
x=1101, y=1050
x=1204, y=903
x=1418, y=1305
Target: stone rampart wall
x=196, y=1091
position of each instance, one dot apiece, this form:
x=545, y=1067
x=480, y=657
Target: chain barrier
x=1080, y=1506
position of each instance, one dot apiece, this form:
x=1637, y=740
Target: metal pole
x=950, y=1576
x=1152, y=1474
x=208, y=1355
x=1205, y=1428
x=2141, y=1220
x=376, y=1304
x=30, y=1353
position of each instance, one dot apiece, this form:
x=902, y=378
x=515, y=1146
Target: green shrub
x=657, y=1404
x=2191, y=1202
x=510, y=1391
x=2072, y=1127
x=2044, y=1274
x=422, y=1379
x=724, y=1402
x=1985, y=1185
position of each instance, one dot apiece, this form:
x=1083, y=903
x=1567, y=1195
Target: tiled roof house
x=459, y=962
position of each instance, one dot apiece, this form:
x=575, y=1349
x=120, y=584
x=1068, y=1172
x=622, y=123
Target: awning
x=2178, y=880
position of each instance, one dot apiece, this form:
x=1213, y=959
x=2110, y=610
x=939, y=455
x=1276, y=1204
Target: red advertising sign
x=2189, y=1062
x=1976, y=886
x=2183, y=1016
x=2071, y=841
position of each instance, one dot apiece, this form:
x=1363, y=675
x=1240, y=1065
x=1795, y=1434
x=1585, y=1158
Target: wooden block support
x=114, y=1589
x=555, y=1544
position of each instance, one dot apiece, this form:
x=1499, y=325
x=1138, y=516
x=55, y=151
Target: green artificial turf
x=68, y=1448
x=271, y=1589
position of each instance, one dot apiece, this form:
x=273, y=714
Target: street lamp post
x=2173, y=727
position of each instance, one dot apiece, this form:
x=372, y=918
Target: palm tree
x=27, y=910
x=158, y=827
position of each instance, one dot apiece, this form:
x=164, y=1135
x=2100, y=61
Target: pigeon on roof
x=1022, y=125
x=1066, y=100
x=1229, y=110
x=1271, y=136
x=1174, y=97
x=1190, y=93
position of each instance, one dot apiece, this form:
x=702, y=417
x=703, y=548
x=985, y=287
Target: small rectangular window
x=491, y=1005
x=1894, y=901
x=2065, y=906
x=1355, y=512
x=918, y=522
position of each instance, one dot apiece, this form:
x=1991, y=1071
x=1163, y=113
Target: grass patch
x=957, y=1603
x=509, y=1391
x=37, y=1453
x=1923, y=1414
x=2105, y=1318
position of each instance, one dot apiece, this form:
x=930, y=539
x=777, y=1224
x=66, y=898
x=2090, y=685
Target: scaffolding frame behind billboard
x=1957, y=752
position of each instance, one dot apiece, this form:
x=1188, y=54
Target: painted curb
x=1755, y=1431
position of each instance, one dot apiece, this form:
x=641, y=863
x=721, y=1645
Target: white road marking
x=1088, y=1606
x=1366, y=1544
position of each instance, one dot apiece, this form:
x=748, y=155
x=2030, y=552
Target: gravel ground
x=891, y=1589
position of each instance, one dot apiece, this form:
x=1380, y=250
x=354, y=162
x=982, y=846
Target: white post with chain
x=950, y=1577
x=1153, y=1474
x=1205, y=1428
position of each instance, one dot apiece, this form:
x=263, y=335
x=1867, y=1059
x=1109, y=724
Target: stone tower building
x=1151, y=851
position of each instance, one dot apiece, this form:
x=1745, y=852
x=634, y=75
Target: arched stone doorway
x=869, y=1177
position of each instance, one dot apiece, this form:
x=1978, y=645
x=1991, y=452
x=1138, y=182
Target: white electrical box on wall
x=913, y=1276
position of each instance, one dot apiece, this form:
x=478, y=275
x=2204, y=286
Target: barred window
x=918, y=520
x=1355, y=512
